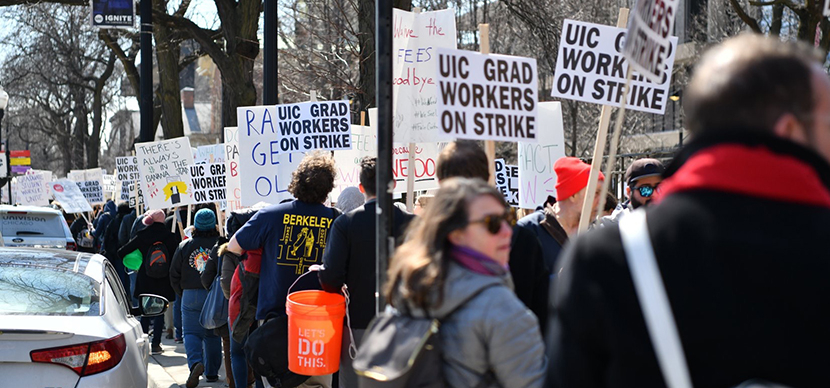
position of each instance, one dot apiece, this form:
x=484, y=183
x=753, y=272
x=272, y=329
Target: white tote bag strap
x=653, y=300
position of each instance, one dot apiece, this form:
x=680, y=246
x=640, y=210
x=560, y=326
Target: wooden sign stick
x=489, y=145
x=189, y=214
x=410, y=171
x=599, y=148
x=176, y=217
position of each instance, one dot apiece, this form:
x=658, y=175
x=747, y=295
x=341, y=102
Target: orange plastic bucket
x=315, y=328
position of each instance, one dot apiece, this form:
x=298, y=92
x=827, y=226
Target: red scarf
x=749, y=170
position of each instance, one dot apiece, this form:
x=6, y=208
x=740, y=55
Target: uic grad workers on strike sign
x=648, y=45
x=297, y=127
x=486, y=97
x=590, y=67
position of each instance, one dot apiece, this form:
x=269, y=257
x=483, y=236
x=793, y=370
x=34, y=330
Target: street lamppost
x=4, y=102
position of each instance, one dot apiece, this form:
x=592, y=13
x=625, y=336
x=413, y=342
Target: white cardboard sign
x=647, y=43
x=414, y=91
x=487, y=97
x=30, y=189
x=364, y=143
x=537, y=179
x=126, y=169
x=282, y=129
x=264, y=173
x=233, y=193
x=209, y=183
x=590, y=67
x=214, y=153
x=109, y=184
x=165, y=173
x=69, y=195
x=91, y=183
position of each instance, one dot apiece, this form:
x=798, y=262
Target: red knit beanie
x=571, y=176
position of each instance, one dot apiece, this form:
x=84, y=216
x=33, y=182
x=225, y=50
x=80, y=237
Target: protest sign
x=487, y=97
x=591, y=68
x=31, y=190
x=91, y=184
x=69, y=195
x=364, y=143
x=113, y=13
x=136, y=196
x=47, y=177
x=281, y=129
x=208, y=183
x=233, y=193
x=108, y=184
x=269, y=137
x=415, y=37
x=214, y=153
x=165, y=173
x=647, y=43
x=825, y=11
x=507, y=181
x=122, y=192
x=537, y=180
x=126, y=169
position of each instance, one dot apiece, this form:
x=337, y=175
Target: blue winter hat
x=205, y=220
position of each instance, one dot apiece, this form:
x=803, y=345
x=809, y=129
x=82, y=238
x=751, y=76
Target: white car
x=65, y=321
x=34, y=226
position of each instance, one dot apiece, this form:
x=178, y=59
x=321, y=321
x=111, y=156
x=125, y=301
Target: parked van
x=34, y=226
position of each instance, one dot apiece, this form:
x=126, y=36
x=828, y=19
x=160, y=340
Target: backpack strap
x=651, y=292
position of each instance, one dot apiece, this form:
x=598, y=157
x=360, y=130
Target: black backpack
x=157, y=261
x=402, y=351
x=266, y=351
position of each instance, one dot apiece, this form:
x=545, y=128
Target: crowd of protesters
x=734, y=231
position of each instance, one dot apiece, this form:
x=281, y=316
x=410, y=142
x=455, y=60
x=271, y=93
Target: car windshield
x=32, y=290
x=32, y=225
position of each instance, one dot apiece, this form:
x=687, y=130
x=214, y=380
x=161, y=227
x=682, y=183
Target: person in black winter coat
x=185, y=277
x=111, y=245
x=350, y=259
x=739, y=241
x=155, y=231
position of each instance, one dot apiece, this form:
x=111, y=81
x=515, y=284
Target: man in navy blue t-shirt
x=292, y=237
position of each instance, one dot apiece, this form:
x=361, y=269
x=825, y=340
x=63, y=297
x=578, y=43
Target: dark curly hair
x=314, y=178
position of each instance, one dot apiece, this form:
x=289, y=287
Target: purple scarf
x=477, y=262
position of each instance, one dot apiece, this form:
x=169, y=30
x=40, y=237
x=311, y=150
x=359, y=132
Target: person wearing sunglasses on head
x=454, y=267
x=642, y=179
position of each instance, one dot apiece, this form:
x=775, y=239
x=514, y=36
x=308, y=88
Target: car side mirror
x=150, y=305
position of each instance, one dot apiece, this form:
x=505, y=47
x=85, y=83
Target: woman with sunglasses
x=453, y=267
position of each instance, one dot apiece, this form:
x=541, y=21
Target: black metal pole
x=385, y=184
x=146, y=103
x=8, y=160
x=270, y=54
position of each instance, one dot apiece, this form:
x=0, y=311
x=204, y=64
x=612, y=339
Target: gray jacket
x=493, y=331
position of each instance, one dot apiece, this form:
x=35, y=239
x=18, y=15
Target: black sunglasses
x=493, y=222
x=646, y=190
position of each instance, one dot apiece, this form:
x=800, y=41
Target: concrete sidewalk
x=169, y=369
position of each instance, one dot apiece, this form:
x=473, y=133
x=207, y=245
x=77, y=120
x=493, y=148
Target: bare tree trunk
x=94, y=145
x=168, y=51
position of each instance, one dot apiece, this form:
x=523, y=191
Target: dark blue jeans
x=200, y=344
x=177, y=317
